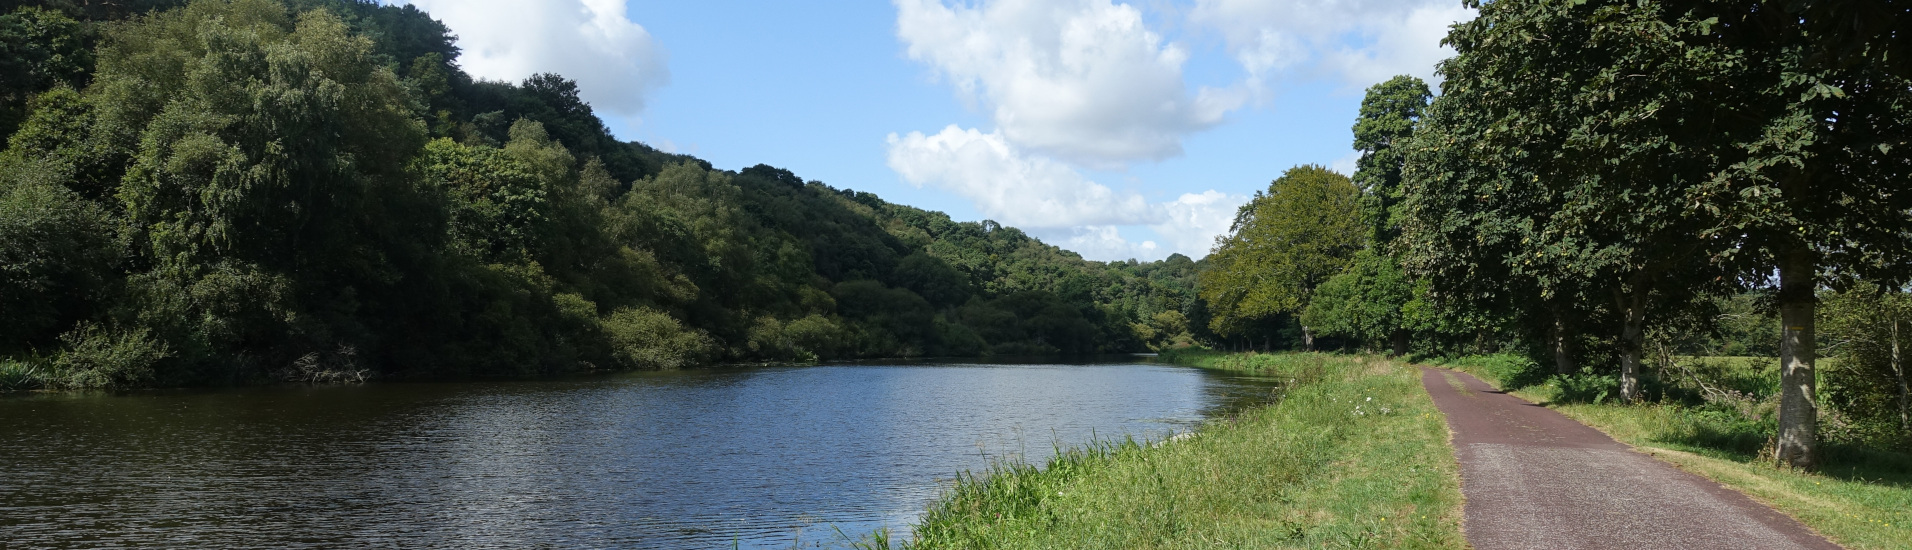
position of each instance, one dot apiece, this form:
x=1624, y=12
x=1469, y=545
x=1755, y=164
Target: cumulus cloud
x=1362, y=42
x=614, y=60
x=1080, y=80
x=1100, y=242
x=1191, y=223
x=1347, y=164
x=1056, y=202
x=1012, y=188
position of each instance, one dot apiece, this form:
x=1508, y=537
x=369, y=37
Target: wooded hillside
x=235, y=192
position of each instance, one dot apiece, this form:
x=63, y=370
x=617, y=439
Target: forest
x=250, y=191
x=232, y=192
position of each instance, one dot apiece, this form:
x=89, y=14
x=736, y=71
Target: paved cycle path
x=1534, y=478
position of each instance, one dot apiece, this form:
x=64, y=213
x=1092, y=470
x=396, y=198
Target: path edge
x=1635, y=449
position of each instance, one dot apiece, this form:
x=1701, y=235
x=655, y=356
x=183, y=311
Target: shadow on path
x=1534, y=478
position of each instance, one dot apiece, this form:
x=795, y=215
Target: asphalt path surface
x=1534, y=478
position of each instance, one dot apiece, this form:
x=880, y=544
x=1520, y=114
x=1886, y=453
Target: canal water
x=749, y=458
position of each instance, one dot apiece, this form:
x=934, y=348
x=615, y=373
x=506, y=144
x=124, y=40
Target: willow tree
x=1284, y=243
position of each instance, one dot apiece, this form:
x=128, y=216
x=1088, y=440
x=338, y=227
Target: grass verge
x=1353, y=455
x=1860, y=498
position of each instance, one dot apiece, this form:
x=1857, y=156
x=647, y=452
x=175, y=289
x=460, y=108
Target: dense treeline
x=243, y=191
x=1604, y=184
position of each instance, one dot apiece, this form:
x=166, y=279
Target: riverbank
x=1352, y=454
x=1860, y=498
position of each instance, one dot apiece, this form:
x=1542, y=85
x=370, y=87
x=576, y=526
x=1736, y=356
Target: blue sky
x=1118, y=130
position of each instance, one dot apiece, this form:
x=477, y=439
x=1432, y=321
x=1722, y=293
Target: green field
x=1353, y=455
x=1860, y=497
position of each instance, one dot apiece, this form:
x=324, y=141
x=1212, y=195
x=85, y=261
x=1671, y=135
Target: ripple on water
x=752, y=457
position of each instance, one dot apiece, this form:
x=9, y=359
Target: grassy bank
x=1353, y=455
x=1860, y=498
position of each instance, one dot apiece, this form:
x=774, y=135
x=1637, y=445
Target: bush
x=643, y=338
x=1585, y=387
x=1509, y=370
x=98, y=358
x=804, y=340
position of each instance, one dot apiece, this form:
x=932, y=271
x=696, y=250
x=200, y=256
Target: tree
x=267, y=173
x=1570, y=166
x=1818, y=188
x=1389, y=113
x=39, y=49
x=1283, y=243
x=56, y=256
x=1363, y=303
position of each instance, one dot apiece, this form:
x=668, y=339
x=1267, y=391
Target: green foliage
x=1388, y=116
x=21, y=376
x=1282, y=245
x=498, y=204
x=57, y=256
x=1869, y=330
x=1364, y=303
x=647, y=339
x=99, y=358
x=314, y=191
x=1165, y=330
x=933, y=279
x=39, y=50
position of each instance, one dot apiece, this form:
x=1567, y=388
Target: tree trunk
x=1400, y=342
x=1307, y=338
x=1798, y=411
x=1632, y=342
x=1563, y=345
x=1898, y=369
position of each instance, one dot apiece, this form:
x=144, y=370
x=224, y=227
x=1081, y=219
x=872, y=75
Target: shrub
x=1511, y=371
x=643, y=338
x=98, y=358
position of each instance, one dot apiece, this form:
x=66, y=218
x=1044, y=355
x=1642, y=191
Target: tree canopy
x=1283, y=243
x=243, y=191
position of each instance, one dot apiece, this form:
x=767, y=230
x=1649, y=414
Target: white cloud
x=1101, y=243
x=1054, y=201
x=1008, y=186
x=1192, y=221
x=1347, y=164
x=614, y=60
x=1079, y=80
x=1361, y=42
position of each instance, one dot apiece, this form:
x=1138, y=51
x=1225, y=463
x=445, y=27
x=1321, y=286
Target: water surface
x=756, y=458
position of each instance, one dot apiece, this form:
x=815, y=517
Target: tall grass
x=1353, y=455
x=21, y=376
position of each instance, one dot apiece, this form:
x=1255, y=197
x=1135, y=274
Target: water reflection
x=766, y=458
